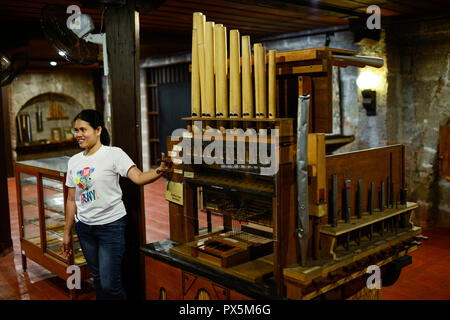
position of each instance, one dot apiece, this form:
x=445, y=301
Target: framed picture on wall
x=56, y=133
x=68, y=133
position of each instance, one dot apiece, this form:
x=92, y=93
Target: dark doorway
x=174, y=104
x=168, y=100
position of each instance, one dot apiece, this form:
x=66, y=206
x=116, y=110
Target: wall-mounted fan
x=12, y=66
x=77, y=44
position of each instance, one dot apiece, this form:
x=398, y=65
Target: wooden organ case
x=235, y=225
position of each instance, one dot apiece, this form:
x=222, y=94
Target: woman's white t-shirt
x=98, y=196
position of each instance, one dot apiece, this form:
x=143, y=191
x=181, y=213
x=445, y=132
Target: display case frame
x=47, y=177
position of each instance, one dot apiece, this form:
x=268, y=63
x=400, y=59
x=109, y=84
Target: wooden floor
x=427, y=278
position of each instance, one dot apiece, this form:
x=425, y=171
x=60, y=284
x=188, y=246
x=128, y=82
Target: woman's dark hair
x=95, y=119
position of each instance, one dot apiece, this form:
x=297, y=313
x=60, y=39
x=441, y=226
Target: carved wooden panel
x=162, y=281
x=197, y=288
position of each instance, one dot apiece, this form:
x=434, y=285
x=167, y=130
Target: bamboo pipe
x=198, y=25
x=256, y=53
x=225, y=54
x=235, y=75
x=262, y=83
x=195, y=79
x=272, y=83
x=260, y=74
x=209, y=69
x=201, y=20
x=247, y=86
x=220, y=67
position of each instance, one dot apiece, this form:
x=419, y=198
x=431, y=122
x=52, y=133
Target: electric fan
x=77, y=44
x=12, y=66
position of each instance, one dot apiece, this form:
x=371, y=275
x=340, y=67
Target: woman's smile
x=87, y=137
x=81, y=141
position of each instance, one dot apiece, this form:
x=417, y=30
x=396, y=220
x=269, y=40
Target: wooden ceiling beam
x=236, y=8
x=236, y=17
x=301, y=5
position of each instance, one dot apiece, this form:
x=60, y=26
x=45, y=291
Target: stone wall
x=412, y=102
x=419, y=102
x=372, y=130
x=77, y=85
x=347, y=101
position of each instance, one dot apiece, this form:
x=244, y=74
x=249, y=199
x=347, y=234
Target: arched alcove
x=43, y=126
x=46, y=117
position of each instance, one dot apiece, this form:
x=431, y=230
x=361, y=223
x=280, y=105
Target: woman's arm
x=71, y=210
x=141, y=178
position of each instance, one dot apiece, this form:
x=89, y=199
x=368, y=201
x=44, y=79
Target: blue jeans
x=103, y=247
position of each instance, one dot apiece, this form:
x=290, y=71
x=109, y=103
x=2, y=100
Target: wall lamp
x=368, y=81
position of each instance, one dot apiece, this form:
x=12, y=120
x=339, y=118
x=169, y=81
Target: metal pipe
x=306, y=33
x=371, y=197
x=360, y=198
x=334, y=200
x=392, y=194
x=388, y=192
x=302, y=175
x=403, y=193
x=347, y=190
x=363, y=60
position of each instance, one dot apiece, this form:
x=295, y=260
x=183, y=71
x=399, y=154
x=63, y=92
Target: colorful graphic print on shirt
x=84, y=181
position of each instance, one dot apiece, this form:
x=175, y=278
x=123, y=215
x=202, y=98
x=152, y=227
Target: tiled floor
x=427, y=278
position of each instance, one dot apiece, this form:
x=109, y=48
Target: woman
x=94, y=202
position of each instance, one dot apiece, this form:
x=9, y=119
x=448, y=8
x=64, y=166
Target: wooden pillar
x=97, y=76
x=122, y=38
x=6, y=245
x=4, y=104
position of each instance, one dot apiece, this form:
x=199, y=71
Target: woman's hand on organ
x=163, y=166
x=142, y=178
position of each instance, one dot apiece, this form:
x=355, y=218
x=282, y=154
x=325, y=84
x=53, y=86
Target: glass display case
x=41, y=198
